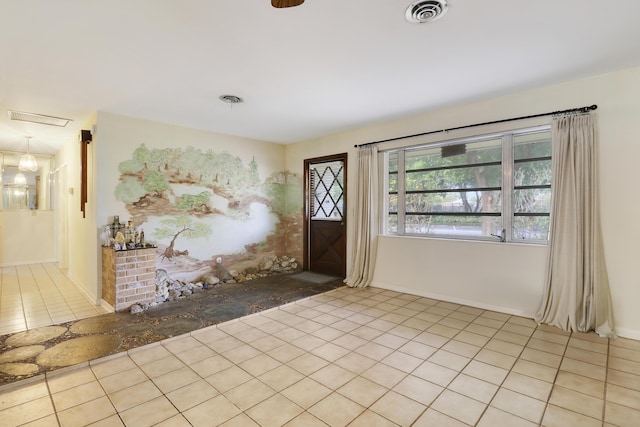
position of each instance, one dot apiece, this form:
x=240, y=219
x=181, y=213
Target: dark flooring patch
x=218, y=313
x=308, y=276
x=87, y=339
x=175, y=327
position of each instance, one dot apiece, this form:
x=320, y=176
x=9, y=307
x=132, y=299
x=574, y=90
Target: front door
x=325, y=211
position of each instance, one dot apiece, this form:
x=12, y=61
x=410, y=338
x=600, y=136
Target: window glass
x=327, y=187
x=459, y=188
x=531, y=186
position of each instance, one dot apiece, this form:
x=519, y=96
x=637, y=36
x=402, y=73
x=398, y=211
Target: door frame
x=307, y=212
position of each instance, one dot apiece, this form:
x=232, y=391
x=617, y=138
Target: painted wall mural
x=203, y=206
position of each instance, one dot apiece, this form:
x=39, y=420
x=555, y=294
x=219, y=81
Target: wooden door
x=325, y=211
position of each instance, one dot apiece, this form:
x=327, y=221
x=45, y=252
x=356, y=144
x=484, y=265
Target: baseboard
x=102, y=303
x=81, y=288
x=628, y=333
x=448, y=298
x=632, y=334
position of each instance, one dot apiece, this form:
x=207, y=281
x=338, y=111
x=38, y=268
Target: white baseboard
x=102, y=303
x=448, y=298
x=632, y=334
x=81, y=288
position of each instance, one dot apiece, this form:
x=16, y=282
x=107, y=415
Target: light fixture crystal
x=20, y=179
x=28, y=163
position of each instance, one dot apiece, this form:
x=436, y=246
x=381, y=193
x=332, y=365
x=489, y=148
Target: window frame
x=507, y=212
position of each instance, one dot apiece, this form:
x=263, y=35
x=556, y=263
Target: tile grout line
x=606, y=383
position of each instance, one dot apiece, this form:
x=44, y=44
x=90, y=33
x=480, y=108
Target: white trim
x=102, y=303
x=455, y=300
x=94, y=298
x=632, y=334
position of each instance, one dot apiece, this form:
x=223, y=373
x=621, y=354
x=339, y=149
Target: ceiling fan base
x=281, y=4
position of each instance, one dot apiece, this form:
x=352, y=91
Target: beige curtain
x=365, y=232
x=576, y=296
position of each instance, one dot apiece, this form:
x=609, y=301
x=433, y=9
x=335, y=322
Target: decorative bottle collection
x=122, y=237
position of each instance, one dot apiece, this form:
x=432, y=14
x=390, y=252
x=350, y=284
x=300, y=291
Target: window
x=327, y=190
x=490, y=187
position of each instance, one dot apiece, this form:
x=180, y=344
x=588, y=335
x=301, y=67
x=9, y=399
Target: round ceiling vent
x=231, y=99
x=426, y=11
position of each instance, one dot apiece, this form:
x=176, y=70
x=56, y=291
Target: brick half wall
x=128, y=277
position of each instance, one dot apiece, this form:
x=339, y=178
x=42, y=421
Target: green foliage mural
x=130, y=190
x=146, y=180
x=285, y=191
x=190, y=202
x=182, y=194
x=155, y=182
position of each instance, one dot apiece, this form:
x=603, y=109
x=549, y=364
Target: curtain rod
x=552, y=113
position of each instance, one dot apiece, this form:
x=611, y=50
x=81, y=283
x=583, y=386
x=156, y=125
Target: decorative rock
x=267, y=262
x=170, y=289
x=211, y=280
x=221, y=272
x=136, y=308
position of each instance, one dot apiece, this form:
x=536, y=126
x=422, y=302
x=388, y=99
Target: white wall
x=27, y=237
x=80, y=233
x=509, y=276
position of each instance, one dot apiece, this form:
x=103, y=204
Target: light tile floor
x=36, y=295
x=356, y=357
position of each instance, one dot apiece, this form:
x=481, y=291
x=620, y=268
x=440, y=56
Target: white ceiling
x=320, y=68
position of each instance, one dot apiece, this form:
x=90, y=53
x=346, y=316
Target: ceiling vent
x=38, y=118
x=231, y=99
x=426, y=11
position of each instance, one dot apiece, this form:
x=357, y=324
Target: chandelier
x=20, y=179
x=27, y=161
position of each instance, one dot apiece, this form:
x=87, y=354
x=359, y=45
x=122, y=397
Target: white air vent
x=38, y=118
x=231, y=99
x=426, y=11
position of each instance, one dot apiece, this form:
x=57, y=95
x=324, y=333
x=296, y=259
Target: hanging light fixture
x=20, y=179
x=27, y=161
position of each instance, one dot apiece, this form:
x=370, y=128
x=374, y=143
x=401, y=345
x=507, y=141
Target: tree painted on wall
x=154, y=182
x=182, y=225
x=254, y=177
